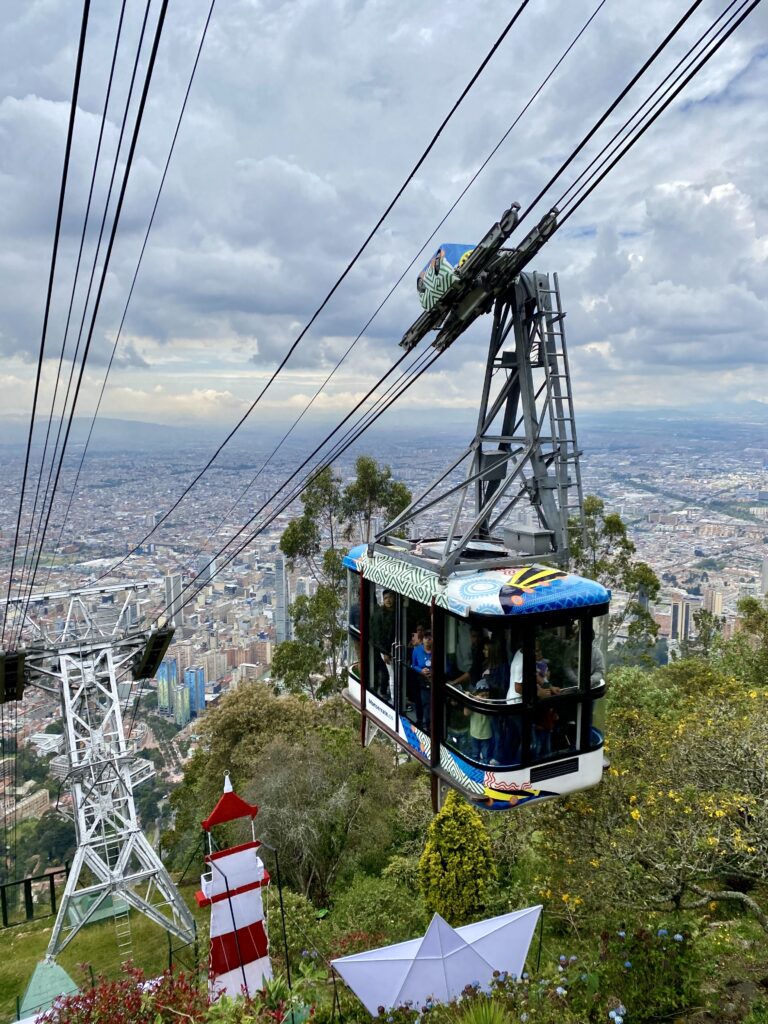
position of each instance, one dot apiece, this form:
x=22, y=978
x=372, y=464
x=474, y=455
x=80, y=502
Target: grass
x=23, y=946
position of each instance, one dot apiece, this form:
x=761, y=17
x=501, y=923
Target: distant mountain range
x=750, y=426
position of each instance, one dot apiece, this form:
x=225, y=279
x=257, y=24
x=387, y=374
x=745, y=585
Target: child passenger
x=480, y=726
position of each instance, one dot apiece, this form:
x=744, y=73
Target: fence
x=31, y=899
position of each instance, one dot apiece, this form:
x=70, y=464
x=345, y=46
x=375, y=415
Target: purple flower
x=628, y=964
x=563, y=958
x=677, y=937
x=662, y=932
x=560, y=991
x=622, y=934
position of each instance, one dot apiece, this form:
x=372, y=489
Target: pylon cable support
x=134, y=279
x=747, y=7
x=188, y=566
x=292, y=348
x=104, y=270
x=51, y=275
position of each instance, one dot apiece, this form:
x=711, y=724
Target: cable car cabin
x=493, y=680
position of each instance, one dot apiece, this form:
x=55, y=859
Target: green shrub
x=456, y=867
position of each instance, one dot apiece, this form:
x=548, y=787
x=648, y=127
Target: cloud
x=303, y=121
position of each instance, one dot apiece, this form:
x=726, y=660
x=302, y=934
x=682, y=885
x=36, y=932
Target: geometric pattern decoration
x=436, y=278
x=518, y=590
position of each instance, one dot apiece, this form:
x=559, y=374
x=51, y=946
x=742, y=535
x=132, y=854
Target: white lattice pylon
x=113, y=855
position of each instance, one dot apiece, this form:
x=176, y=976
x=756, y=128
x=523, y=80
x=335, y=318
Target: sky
x=304, y=119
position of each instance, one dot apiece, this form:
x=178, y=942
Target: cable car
x=503, y=700
x=493, y=679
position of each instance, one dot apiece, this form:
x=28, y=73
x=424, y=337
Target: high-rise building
x=683, y=607
x=282, y=601
x=173, y=599
x=713, y=601
x=194, y=680
x=181, y=708
x=167, y=680
x=764, y=578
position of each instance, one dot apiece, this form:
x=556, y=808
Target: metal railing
x=33, y=898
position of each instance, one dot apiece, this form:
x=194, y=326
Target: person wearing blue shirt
x=421, y=663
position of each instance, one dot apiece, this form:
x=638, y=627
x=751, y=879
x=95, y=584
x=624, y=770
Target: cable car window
x=353, y=601
x=558, y=710
x=353, y=655
x=599, y=651
x=382, y=640
x=463, y=653
x=597, y=728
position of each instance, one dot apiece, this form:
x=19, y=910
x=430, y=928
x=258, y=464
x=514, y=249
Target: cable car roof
x=518, y=590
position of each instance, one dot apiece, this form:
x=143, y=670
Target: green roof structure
x=48, y=982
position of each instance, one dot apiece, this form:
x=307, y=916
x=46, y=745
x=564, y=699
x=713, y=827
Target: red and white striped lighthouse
x=239, y=955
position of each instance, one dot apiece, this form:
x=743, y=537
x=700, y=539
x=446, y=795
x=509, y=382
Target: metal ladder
x=561, y=410
x=121, y=911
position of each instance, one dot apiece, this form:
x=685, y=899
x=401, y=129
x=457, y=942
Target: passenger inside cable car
x=494, y=701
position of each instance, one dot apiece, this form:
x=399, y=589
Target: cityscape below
x=694, y=495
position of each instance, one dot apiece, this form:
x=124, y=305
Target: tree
x=326, y=804
x=456, y=867
x=372, y=492
x=680, y=820
x=707, y=628
x=745, y=655
x=311, y=662
x=606, y=554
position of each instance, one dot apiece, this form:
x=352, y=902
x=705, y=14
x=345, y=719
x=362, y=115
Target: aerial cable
x=610, y=109
x=57, y=232
x=135, y=275
x=411, y=375
x=306, y=461
x=333, y=289
x=429, y=357
x=92, y=276
x=83, y=233
x=395, y=286
x=659, y=105
x=593, y=185
x=37, y=547
x=105, y=267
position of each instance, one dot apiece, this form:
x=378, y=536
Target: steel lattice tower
x=82, y=663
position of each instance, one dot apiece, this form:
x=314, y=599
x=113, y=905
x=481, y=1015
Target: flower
x=612, y=1014
x=523, y=1017
x=628, y=964
x=572, y=958
x=662, y=932
x=622, y=934
x=560, y=991
x=677, y=937
x=618, y=1019
x=525, y=975
x=563, y=958
x=635, y=815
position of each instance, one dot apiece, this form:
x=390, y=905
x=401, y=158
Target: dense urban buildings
x=695, y=498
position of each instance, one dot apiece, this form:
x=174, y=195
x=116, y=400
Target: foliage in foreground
x=637, y=978
x=457, y=866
